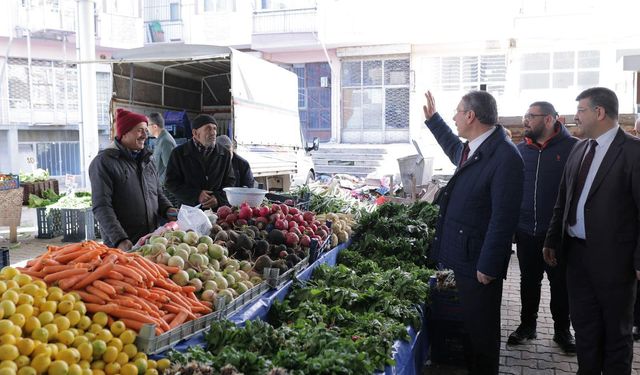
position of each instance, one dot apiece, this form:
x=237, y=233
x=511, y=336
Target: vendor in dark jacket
x=545, y=149
x=241, y=167
x=126, y=195
x=198, y=170
x=479, y=210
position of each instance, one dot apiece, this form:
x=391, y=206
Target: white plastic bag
x=192, y=218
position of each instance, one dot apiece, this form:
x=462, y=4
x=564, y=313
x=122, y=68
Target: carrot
x=97, y=292
x=71, y=254
x=143, y=292
x=104, y=287
x=128, y=272
x=90, y=298
x=180, y=318
x=121, y=284
x=100, y=272
x=56, y=268
x=32, y=273
x=50, y=262
x=147, y=277
x=146, y=305
x=134, y=324
x=67, y=284
x=65, y=274
x=122, y=312
x=126, y=302
x=88, y=256
x=188, y=289
x=169, y=269
x=161, y=271
x=146, y=265
x=168, y=285
x=208, y=304
x=173, y=308
x=168, y=317
x=114, y=275
x=38, y=265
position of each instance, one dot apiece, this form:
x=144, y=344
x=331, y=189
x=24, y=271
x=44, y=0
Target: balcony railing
x=163, y=31
x=48, y=17
x=285, y=21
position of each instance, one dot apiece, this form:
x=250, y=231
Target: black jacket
x=187, y=174
x=126, y=195
x=242, y=171
x=543, y=166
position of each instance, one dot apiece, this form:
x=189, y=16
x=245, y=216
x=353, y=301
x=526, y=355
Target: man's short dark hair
x=602, y=97
x=156, y=118
x=483, y=105
x=545, y=107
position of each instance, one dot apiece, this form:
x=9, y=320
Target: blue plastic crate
x=4, y=257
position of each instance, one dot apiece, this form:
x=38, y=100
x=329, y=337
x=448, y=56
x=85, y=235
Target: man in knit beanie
x=126, y=194
x=198, y=170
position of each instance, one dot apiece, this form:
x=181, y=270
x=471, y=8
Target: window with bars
x=103, y=97
x=46, y=85
x=559, y=70
x=314, y=100
x=60, y=158
x=465, y=73
x=375, y=94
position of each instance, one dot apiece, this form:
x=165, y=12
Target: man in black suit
x=594, y=230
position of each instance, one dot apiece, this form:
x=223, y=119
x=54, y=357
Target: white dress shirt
x=604, y=141
x=473, y=145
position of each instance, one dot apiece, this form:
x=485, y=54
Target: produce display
x=125, y=286
x=36, y=176
x=44, y=330
x=196, y=261
x=76, y=200
x=326, y=199
x=345, y=319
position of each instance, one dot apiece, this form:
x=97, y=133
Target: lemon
x=25, y=299
x=118, y=327
x=1, y=312
x=128, y=337
x=17, y=331
x=18, y=319
x=112, y=368
x=151, y=371
x=110, y=354
x=27, y=370
x=122, y=358
x=8, y=339
x=74, y=317
x=41, y=363
x=6, y=326
x=55, y=295
x=22, y=279
x=53, y=330
x=22, y=361
x=10, y=296
x=152, y=364
x=32, y=324
x=99, y=347
x=131, y=350
x=84, y=364
x=45, y=317
x=51, y=306
x=40, y=334
x=7, y=371
x=12, y=285
x=86, y=351
x=9, y=364
x=29, y=289
x=79, y=340
x=95, y=328
x=26, y=346
x=163, y=364
x=41, y=348
x=8, y=273
x=140, y=355
x=54, y=349
x=3, y=287
x=58, y=368
x=84, y=323
x=141, y=364
x=79, y=306
x=8, y=306
x=62, y=322
x=117, y=343
x=69, y=355
x=26, y=310
x=129, y=369
x=86, y=371
x=90, y=336
x=8, y=352
x=98, y=365
x=101, y=318
x=65, y=306
x=75, y=369
x=97, y=372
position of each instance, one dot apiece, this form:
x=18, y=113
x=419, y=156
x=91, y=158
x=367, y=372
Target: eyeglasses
x=530, y=116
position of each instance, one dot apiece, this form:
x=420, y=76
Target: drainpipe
x=88, y=127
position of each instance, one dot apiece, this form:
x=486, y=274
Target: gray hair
x=483, y=105
x=156, y=118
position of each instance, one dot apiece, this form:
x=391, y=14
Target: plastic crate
x=447, y=341
x=4, y=257
x=12, y=182
x=149, y=343
x=49, y=222
x=77, y=225
x=244, y=299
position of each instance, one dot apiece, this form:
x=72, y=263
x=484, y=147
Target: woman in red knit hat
x=126, y=194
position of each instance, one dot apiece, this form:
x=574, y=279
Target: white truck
x=253, y=101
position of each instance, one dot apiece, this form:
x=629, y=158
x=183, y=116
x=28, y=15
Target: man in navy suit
x=479, y=210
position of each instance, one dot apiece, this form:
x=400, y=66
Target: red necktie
x=465, y=154
x=582, y=178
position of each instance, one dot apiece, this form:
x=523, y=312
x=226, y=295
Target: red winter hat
x=126, y=120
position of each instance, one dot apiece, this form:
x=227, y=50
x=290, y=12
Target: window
x=103, y=97
x=219, y=5
x=375, y=94
x=302, y=95
x=314, y=100
x=464, y=73
x=559, y=70
x=59, y=158
x=19, y=94
x=174, y=11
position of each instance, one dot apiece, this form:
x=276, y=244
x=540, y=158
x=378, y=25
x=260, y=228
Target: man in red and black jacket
x=544, y=150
